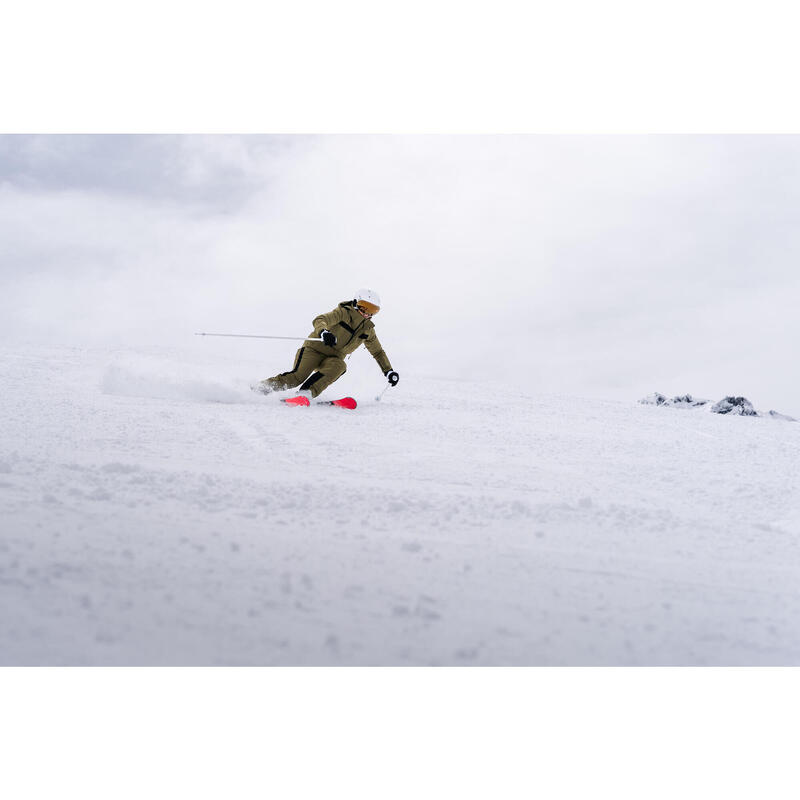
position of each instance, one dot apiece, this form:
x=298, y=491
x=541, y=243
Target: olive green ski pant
x=312, y=371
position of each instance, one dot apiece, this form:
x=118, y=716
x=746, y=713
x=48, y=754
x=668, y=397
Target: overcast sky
x=596, y=265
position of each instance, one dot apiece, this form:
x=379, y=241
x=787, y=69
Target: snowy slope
x=155, y=511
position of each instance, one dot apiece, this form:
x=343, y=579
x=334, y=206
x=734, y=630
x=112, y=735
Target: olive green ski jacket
x=351, y=330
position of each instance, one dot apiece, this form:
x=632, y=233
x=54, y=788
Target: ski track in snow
x=155, y=511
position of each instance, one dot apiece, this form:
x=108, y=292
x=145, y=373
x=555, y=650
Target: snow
x=156, y=511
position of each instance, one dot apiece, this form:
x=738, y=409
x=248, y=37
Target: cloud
x=218, y=173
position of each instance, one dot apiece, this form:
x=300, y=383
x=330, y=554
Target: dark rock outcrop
x=687, y=401
x=740, y=406
x=679, y=401
x=654, y=399
x=737, y=406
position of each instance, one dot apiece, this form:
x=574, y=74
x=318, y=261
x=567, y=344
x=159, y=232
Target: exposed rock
x=654, y=399
x=776, y=415
x=687, y=401
x=679, y=401
x=739, y=406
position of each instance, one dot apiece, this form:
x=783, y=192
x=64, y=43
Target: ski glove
x=328, y=338
x=392, y=377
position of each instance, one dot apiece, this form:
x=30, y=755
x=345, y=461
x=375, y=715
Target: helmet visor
x=367, y=307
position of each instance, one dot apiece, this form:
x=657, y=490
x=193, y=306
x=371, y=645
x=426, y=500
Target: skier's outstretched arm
x=375, y=348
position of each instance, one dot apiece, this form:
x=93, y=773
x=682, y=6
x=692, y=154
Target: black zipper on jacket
x=352, y=331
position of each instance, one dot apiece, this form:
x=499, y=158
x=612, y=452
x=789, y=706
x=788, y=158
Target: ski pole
x=251, y=336
x=377, y=399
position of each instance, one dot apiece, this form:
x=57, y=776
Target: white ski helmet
x=368, y=301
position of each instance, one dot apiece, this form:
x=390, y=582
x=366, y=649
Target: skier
x=319, y=363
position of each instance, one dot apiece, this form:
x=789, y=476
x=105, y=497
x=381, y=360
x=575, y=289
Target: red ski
x=344, y=402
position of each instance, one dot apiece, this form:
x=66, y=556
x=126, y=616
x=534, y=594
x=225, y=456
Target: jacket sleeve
x=376, y=351
x=325, y=322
